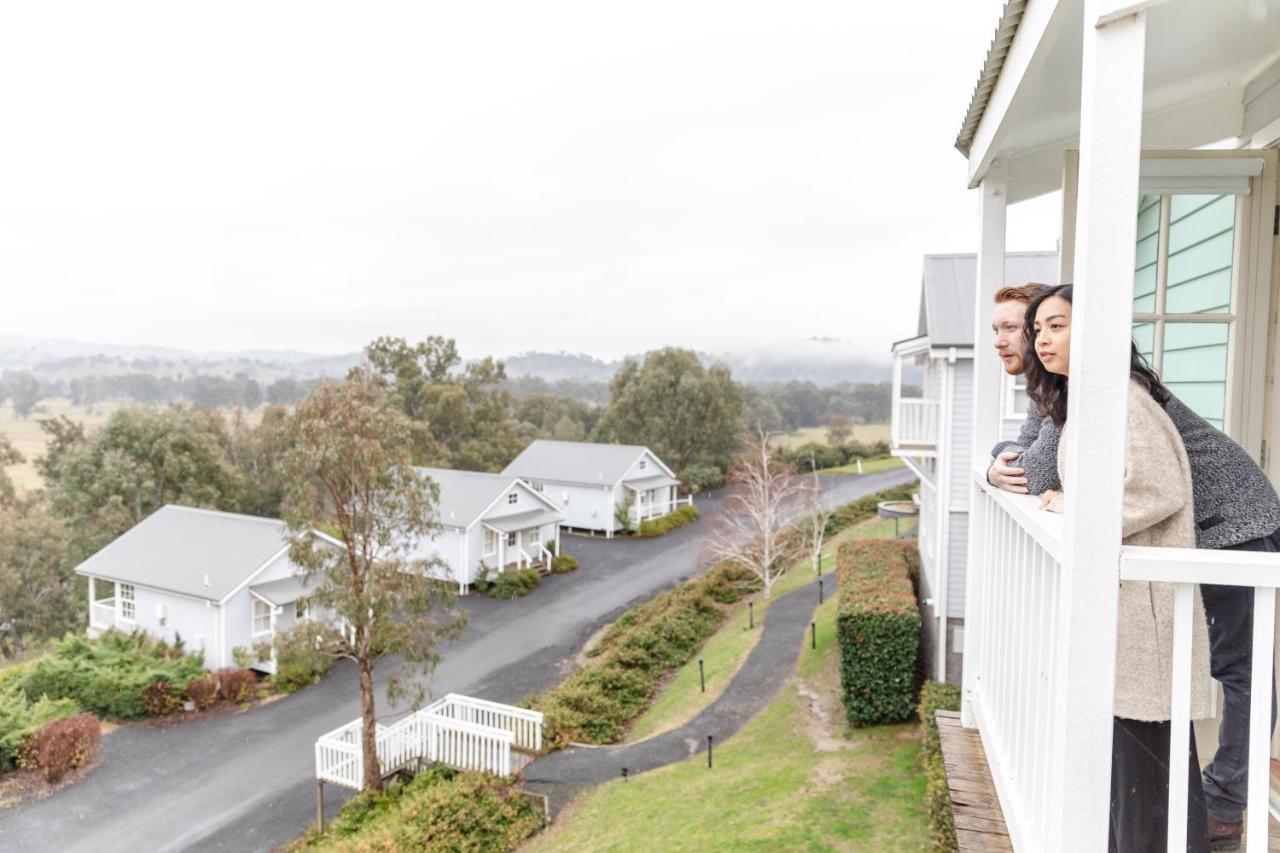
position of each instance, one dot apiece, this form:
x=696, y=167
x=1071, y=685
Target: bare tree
x=817, y=515
x=754, y=527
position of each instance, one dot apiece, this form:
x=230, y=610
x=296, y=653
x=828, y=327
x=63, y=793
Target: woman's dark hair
x=1049, y=390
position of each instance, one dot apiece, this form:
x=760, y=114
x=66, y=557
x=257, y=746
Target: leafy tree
x=350, y=471
x=684, y=412
x=284, y=392
x=102, y=484
x=760, y=412
x=24, y=390
x=9, y=455
x=257, y=454
x=461, y=415
x=839, y=429
x=567, y=429
x=37, y=591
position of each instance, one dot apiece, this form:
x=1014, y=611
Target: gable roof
x=465, y=495
x=196, y=552
x=578, y=462
x=948, y=285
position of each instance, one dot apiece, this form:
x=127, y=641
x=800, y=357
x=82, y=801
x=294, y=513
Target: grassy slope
x=871, y=466
x=792, y=778
x=864, y=433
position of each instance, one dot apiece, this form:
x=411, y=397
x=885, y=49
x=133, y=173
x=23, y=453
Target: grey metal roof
x=654, y=482
x=464, y=495
x=575, y=462
x=947, y=291
x=284, y=591
x=522, y=520
x=196, y=552
x=1006, y=29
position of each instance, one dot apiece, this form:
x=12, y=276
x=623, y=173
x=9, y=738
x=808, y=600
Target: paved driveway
x=246, y=782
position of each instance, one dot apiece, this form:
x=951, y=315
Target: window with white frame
x=643, y=462
x=490, y=542
x=537, y=485
x=534, y=536
x=1015, y=396
x=513, y=498
x=511, y=539
x=261, y=617
x=1184, y=294
x=128, y=603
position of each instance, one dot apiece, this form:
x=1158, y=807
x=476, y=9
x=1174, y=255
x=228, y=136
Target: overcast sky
x=596, y=177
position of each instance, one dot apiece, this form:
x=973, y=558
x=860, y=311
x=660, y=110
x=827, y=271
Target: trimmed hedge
x=597, y=703
x=515, y=584
x=678, y=517
x=878, y=625
x=20, y=717
x=937, y=696
x=563, y=564
x=110, y=675
x=439, y=809
x=62, y=746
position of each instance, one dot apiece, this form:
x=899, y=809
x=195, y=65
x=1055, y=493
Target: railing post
x=1106, y=226
x=1264, y=616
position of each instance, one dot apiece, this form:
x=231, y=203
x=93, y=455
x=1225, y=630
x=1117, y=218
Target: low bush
x=597, y=703
x=299, y=662
x=563, y=564
x=19, y=717
x=678, y=517
x=865, y=507
x=159, y=699
x=109, y=675
x=203, y=691
x=936, y=696
x=515, y=584
x=238, y=685
x=439, y=809
x=878, y=626
x=62, y=745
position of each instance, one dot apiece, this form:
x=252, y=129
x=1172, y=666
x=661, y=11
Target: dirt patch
x=26, y=786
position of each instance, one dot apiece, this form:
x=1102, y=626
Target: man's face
x=1006, y=322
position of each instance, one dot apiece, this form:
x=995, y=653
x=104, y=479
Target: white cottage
x=932, y=433
x=1159, y=123
x=590, y=482
x=489, y=522
x=217, y=580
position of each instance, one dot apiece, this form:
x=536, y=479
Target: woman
x=1157, y=510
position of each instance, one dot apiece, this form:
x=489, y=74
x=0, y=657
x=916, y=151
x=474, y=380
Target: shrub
x=563, y=564
x=203, y=691
x=701, y=478
x=678, y=517
x=299, y=663
x=19, y=717
x=515, y=584
x=62, y=745
x=108, y=676
x=936, y=696
x=158, y=699
x=878, y=625
x=238, y=685
x=865, y=507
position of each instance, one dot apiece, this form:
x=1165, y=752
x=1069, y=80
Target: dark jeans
x=1229, y=610
x=1140, y=790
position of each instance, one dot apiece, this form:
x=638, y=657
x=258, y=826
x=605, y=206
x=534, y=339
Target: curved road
x=245, y=782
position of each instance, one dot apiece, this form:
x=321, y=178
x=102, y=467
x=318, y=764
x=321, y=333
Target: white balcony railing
x=915, y=423
x=657, y=509
x=102, y=613
x=1016, y=662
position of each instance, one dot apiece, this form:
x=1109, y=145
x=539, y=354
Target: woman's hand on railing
x=1051, y=501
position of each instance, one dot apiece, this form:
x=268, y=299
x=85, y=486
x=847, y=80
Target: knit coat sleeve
x=1154, y=488
x=1039, y=459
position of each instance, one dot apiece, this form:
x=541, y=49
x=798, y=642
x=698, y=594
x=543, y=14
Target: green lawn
x=793, y=778
x=864, y=433
x=869, y=466
x=724, y=652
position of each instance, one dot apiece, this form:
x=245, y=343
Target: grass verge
x=869, y=466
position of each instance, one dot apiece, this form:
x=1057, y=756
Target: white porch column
x=987, y=376
x=1106, y=228
x=502, y=552
x=897, y=395
x=92, y=598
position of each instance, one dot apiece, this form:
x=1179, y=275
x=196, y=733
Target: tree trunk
x=369, y=728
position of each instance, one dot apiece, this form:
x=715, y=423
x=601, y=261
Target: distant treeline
x=25, y=389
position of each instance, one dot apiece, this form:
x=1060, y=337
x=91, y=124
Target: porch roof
x=522, y=520
x=657, y=481
x=281, y=592
x=947, y=292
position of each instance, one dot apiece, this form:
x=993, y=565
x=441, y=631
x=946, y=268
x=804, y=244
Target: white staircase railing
x=458, y=731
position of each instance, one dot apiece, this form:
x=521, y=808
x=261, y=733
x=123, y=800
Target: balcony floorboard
x=979, y=821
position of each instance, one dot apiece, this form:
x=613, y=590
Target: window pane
x=1195, y=367
x=1201, y=245
x=1144, y=335
x=1144, y=279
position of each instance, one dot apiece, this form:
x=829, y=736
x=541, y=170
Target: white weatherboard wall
x=585, y=507
x=194, y=620
x=447, y=547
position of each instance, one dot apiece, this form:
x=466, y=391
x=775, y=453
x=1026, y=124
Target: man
x=1235, y=508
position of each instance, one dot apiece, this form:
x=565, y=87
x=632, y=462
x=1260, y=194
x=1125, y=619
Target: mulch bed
x=25, y=786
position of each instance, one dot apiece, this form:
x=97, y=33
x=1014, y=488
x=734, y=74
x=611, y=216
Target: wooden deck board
x=980, y=825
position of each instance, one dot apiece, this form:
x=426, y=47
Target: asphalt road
x=246, y=782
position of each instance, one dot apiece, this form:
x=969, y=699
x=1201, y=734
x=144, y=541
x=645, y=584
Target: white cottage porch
x=1170, y=243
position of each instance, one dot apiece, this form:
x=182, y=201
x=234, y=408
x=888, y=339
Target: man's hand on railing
x=1003, y=474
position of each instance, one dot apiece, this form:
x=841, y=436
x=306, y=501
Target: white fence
x=1014, y=612
x=102, y=613
x=657, y=509
x=916, y=422
x=458, y=731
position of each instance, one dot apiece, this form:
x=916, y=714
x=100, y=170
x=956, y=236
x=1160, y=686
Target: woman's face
x=1053, y=335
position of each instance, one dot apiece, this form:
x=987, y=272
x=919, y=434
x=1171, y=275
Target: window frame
x=484, y=542
x=127, y=597
x=254, y=617
x=513, y=498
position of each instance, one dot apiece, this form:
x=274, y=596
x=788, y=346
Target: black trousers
x=1140, y=790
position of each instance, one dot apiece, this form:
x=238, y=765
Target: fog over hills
x=825, y=361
